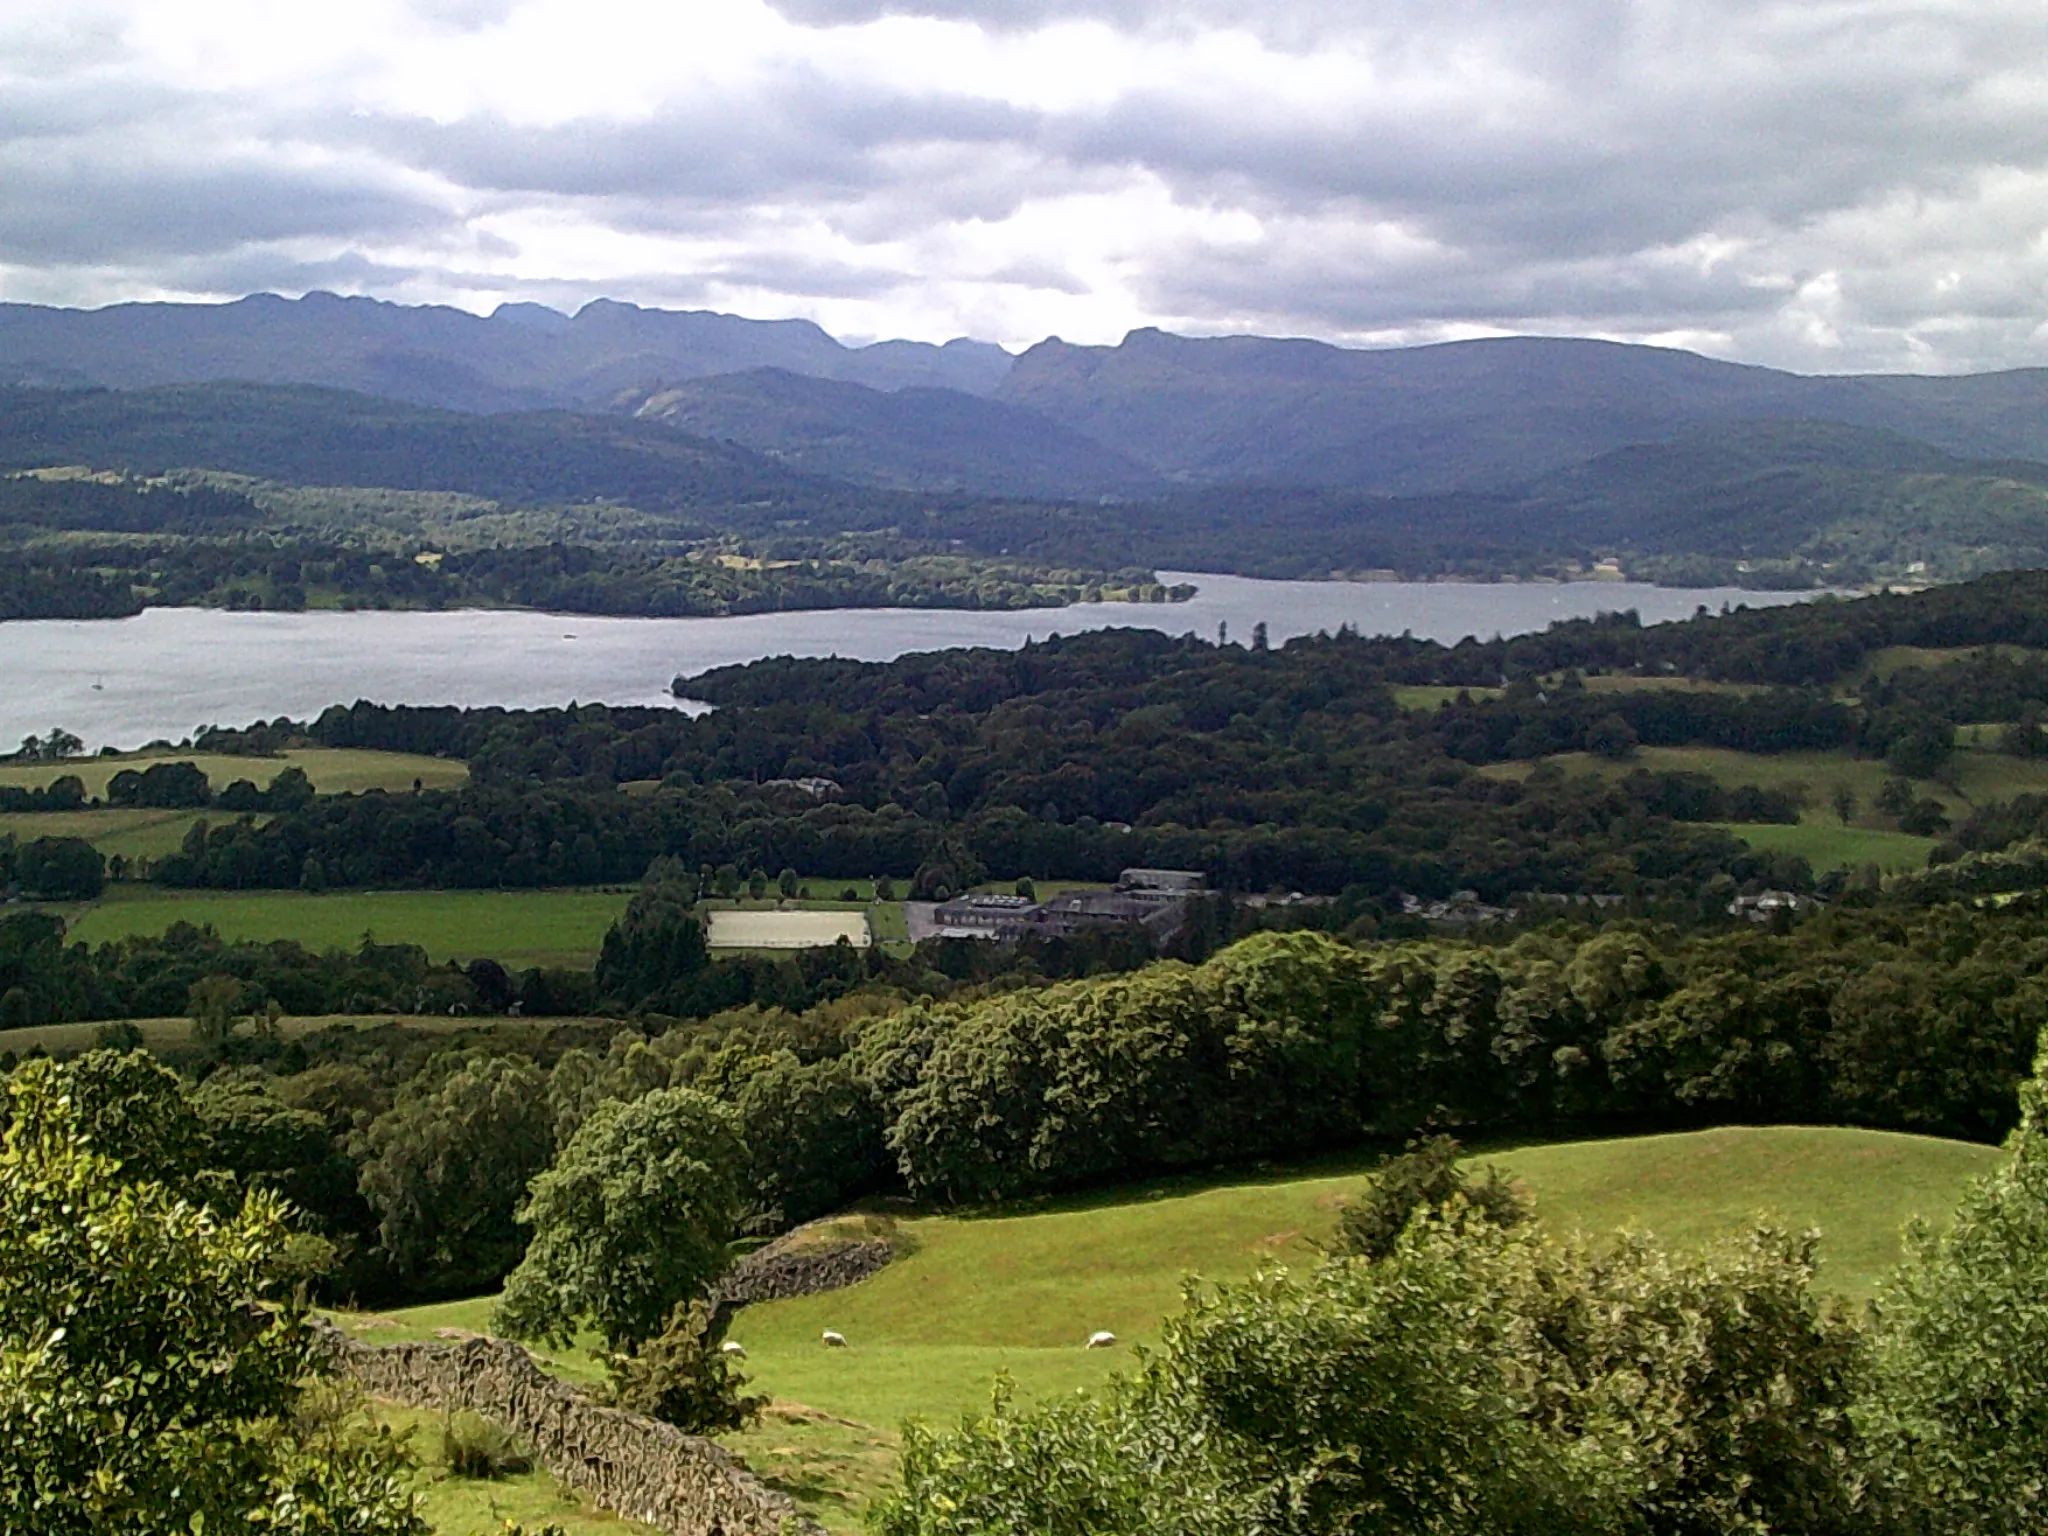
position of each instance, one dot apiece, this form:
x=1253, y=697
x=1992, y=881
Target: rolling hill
x=312, y=436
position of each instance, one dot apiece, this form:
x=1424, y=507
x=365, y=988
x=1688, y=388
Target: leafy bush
x=1962, y=1416
x=151, y=1364
x=684, y=1378
x=1426, y=1177
x=1475, y=1382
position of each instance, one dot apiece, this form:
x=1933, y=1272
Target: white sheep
x=834, y=1339
x=734, y=1348
x=1101, y=1339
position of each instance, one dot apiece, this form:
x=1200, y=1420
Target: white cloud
x=1851, y=184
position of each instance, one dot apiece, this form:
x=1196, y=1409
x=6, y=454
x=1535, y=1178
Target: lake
x=169, y=671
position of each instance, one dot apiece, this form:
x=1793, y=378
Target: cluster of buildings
x=1464, y=909
x=1155, y=899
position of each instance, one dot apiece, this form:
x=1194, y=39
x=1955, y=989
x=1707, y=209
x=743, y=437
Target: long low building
x=1156, y=899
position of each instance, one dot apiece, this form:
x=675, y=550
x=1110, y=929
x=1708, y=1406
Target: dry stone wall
x=638, y=1467
x=776, y=1272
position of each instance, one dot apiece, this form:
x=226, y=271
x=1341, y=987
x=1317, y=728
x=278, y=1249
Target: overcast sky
x=1816, y=184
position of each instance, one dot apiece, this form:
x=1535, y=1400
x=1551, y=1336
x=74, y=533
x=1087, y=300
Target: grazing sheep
x=834, y=1339
x=1101, y=1340
x=734, y=1348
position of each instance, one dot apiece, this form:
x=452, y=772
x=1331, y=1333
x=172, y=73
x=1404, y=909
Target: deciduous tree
x=632, y=1220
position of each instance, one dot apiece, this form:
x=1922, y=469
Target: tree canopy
x=631, y=1221
x=150, y=1364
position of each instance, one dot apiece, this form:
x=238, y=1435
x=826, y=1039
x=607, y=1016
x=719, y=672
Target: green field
x=888, y=924
x=1436, y=695
x=1979, y=776
x=1827, y=846
x=1021, y=1293
x=518, y=928
x=333, y=770
x=1623, y=682
x=1858, y=1187
x=131, y=834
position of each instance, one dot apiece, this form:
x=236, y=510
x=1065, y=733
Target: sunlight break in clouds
x=1842, y=186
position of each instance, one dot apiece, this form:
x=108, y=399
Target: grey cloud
x=268, y=270
x=796, y=274
x=809, y=134
x=1631, y=165
x=1316, y=276
x=1553, y=178
x=96, y=213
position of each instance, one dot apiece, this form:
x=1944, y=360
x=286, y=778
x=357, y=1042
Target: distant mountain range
x=1247, y=453
x=1469, y=415
x=521, y=357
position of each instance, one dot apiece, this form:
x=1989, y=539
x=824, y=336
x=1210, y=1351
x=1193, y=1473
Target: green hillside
x=1021, y=1292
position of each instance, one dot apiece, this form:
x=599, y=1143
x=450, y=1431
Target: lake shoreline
x=169, y=672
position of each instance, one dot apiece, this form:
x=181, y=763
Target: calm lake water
x=169, y=671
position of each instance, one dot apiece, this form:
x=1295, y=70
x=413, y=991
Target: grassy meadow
x=519, y=928
x=1436, y=695
x=333, y=770
x=129, y=833
x=1893, y=659
x=1826, y=846
x=1019, y=1292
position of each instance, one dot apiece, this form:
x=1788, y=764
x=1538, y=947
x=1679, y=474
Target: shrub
x=476, y=1448
x=1475, y=1382
x=1962, y=1340
x=1426, y=1177
x=684, y=1378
